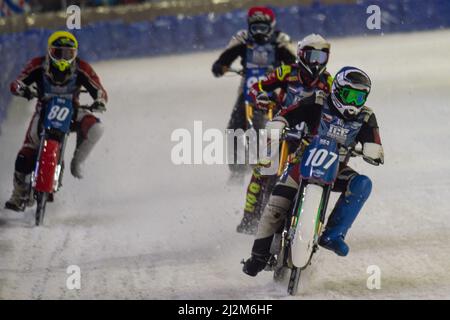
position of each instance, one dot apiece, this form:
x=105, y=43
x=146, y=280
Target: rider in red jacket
x=60, y=72
x=260, y=46
x=295, y=82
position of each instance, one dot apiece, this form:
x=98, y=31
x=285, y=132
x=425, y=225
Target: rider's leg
x=271, y=220
x=24, y=165
x=258, y=185
x=355, y=193
x=89, y=131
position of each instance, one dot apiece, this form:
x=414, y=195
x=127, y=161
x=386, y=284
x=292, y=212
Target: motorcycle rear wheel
x=280, y=268
x=279, y=274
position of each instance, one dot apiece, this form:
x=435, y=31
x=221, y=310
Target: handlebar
x=239, y=72
x=359, y=153
x=297, y=133
x=356, y=153
x=301, y=135
x=34, y=94
x=86, y=107
x=292, y=135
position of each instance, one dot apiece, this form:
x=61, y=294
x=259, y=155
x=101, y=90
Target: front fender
x=48, y=161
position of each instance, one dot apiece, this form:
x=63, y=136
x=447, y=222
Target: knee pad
x=359, y=188
x=90, y=127
x=25, y=160
x=276, y=208
x=274, y=125
x=273, y=215
x=285, y=190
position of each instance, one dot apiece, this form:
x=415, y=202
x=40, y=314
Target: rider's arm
x=285, y=49
x=29, y=75
x=274, y=80
x=230, y=54
x=326, y=81
x=90, y=80
x=308, y=110
x=369, y=137
x=236, y=48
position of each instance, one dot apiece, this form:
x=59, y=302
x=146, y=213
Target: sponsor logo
x=318, y=173
x=338, y=131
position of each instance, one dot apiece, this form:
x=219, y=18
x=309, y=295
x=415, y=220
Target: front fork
x=284, y=152
x=57, y=182
x=249, y=114
x=35, y=172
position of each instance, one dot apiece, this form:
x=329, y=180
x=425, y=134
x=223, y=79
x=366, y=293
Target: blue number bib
x=320, y=160
x=58, y=114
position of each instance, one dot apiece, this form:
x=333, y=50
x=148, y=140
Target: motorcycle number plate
x=320, y=160
x=58, y=114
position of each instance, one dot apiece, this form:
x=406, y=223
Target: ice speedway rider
x=296, y=81
x=260, y=45
x=60, y=71
x=343, y=116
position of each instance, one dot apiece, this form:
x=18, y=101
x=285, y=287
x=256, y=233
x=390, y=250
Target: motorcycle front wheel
x=294, y=281
x=41, y=203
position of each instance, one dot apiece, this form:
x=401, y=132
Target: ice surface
x=141, y=227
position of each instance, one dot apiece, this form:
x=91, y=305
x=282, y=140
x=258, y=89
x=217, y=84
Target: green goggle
x=353, y=96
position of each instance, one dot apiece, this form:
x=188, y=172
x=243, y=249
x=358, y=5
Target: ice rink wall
x=149, y=30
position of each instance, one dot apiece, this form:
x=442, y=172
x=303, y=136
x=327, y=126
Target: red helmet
x=261, y=23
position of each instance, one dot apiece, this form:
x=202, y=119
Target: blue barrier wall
x=167, y=35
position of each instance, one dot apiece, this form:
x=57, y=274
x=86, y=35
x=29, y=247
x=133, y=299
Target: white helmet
x=313, y=53
x=350, y=89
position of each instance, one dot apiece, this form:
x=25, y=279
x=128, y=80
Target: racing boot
x=20, y=197
x=260, y=256
x=344, y=214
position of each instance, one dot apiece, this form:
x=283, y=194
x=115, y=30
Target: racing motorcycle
x=294, y=247
x=256, y=119
x=268, y=182
x=46, y=179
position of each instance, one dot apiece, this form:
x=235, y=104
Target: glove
x=373, y=153
x=218, y=70
x=26, y=92
x=320, y=97
x=263, y=101
x=98, y=106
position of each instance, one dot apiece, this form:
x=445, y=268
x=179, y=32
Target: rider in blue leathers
x=343, y=116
